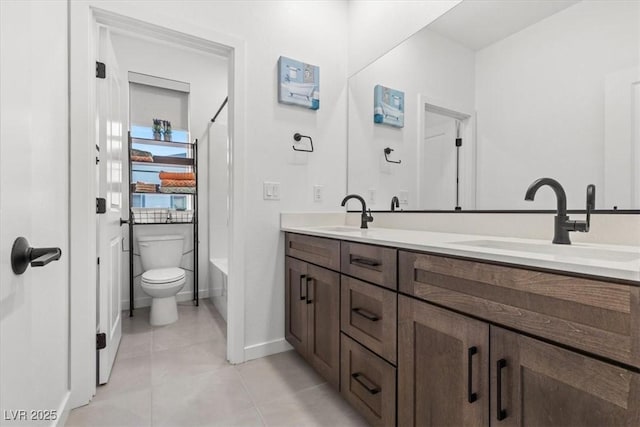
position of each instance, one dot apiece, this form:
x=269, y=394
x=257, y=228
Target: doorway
x=89, y=20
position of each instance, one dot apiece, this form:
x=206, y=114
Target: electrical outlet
x=271, y=190
x=372, y=195
x=317, y=193
x=404, y=197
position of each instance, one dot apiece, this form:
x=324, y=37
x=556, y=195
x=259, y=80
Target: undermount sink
x=571, y=251
x=341, y=229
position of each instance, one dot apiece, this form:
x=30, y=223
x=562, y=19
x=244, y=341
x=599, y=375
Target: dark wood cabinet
x=312, y=316
x=442, y=367
x=537, y=384
x=368, y=383
x=369, y=315
x=375, y=264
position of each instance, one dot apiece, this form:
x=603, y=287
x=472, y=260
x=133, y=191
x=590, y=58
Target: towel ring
x=297, y=137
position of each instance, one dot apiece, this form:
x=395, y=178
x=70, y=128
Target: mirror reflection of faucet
x=366, y=217
x=563, y=225
x=395, y=203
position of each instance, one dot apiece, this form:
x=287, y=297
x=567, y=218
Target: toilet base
x=163, y=311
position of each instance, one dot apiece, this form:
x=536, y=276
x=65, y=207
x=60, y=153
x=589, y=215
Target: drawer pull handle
x=501, y=414
x=366, y=314
x=471, y=396
x=365, y=382
x=302, y=277
x=309, y=300
x=365, y=262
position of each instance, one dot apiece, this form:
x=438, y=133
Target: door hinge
x=101, y=70
x=98, y=261
x=101, y=341
x=101, y=205
x=458, y=142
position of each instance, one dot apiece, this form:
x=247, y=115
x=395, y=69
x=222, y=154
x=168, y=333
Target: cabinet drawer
x=595, y=316
x=374, y=264
x=368, y=383
x=369, y=314
x=317, y=250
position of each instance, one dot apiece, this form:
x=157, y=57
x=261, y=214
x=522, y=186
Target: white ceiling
x=477, y=24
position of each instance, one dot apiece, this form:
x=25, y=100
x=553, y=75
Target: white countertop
x=606, y=261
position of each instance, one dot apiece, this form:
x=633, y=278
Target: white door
x=34, y=200
x=438, y=165
x=111, y=140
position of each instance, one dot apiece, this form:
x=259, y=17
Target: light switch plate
x=271, y=190
x=404, y=197
x=372, y=195
x=317, y=193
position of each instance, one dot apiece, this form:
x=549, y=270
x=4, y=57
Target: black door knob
x=23, y=255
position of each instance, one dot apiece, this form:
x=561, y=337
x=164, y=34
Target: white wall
x=426, y=67
x=207, y=76
x=375, y=26
x=34, y=203
x=523, y=115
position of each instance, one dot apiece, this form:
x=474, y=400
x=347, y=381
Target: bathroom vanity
x=429, y=329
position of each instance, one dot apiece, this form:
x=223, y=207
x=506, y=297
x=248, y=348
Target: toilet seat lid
x=163, y=275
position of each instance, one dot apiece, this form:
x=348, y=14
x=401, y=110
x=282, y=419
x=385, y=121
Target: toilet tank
x=160, y=251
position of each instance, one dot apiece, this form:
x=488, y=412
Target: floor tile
x=127, y=409
x=280, y=374
x=135, y=344
x=201, y=400
x=317, y=406
x=167, y=337
x=128, y=374
x=183, y=361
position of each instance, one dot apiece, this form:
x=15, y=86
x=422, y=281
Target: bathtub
x=218, y=274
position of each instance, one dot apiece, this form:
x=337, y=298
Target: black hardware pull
x=471, y=396
x=23, y=255
x=365, y=382
x=366, y=314
x=309, y=300
x=501, y=414
x=365, y=261
x=302, y=277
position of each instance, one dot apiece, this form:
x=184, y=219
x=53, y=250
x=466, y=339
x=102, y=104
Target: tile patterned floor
x=177, y=376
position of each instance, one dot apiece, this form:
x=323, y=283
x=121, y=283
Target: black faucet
x=366, y=217
x=563, y=225
x=395, y=203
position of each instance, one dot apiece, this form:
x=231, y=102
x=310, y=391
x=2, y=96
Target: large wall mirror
x=496, y=95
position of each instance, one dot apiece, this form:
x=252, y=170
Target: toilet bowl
x=162, y=285
x=162, y=278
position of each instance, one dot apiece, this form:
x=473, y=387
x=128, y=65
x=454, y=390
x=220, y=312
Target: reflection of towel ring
x=298, y=137
x=388, y=151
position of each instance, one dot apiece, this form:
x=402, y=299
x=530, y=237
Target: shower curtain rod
x=220, y=109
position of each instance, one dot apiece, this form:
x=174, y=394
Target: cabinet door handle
x=366, y=314
x=309, y=300
x=501, y=413
x=365, y=382
x=471, y=396
x=367, y=262
x=302, y=277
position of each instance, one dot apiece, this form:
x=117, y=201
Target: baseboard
x=257, y=351
x=145, y=301
x=215, y=292
x=63, y=410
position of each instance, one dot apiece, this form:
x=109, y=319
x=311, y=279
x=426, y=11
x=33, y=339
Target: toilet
x=162, y=278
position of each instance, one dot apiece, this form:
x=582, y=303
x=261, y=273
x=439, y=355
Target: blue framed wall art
x=298, y=83
x=388, y=106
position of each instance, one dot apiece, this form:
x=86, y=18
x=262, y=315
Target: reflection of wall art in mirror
x=298, y=83
x=388, y=106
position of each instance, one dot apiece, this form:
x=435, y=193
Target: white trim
x=63, y=410
x=83, y=24
x=147, y=80
x=257, y=351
